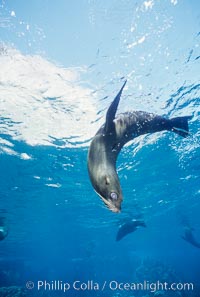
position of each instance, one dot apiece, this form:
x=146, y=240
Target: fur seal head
x=108, y=188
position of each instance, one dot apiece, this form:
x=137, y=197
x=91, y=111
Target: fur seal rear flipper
x=110, y=139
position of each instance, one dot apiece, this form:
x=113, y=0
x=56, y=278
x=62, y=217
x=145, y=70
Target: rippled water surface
x=61, y=65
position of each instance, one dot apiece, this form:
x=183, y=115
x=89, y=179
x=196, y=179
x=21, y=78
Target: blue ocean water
x=58, y=228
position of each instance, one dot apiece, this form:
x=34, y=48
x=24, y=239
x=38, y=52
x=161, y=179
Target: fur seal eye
x=114, y=196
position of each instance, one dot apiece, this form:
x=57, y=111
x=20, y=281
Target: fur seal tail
x=180, y=125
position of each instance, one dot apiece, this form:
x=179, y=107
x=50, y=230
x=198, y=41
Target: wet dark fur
x=110, y=139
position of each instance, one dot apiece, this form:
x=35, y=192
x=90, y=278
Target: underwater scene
x=100, y=148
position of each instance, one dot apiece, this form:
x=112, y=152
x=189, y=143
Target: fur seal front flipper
x=110, y=115
x=110, y=139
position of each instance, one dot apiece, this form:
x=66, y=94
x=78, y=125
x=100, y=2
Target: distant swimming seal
x=3, y=232
x=129, y=227
x=110, y=139
x=189, y=237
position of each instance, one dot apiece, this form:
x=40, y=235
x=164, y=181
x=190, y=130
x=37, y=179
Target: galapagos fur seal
x=129, y=227
x=3, y=229
x=189, y=237
x=3, y=232
x=112, y=136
